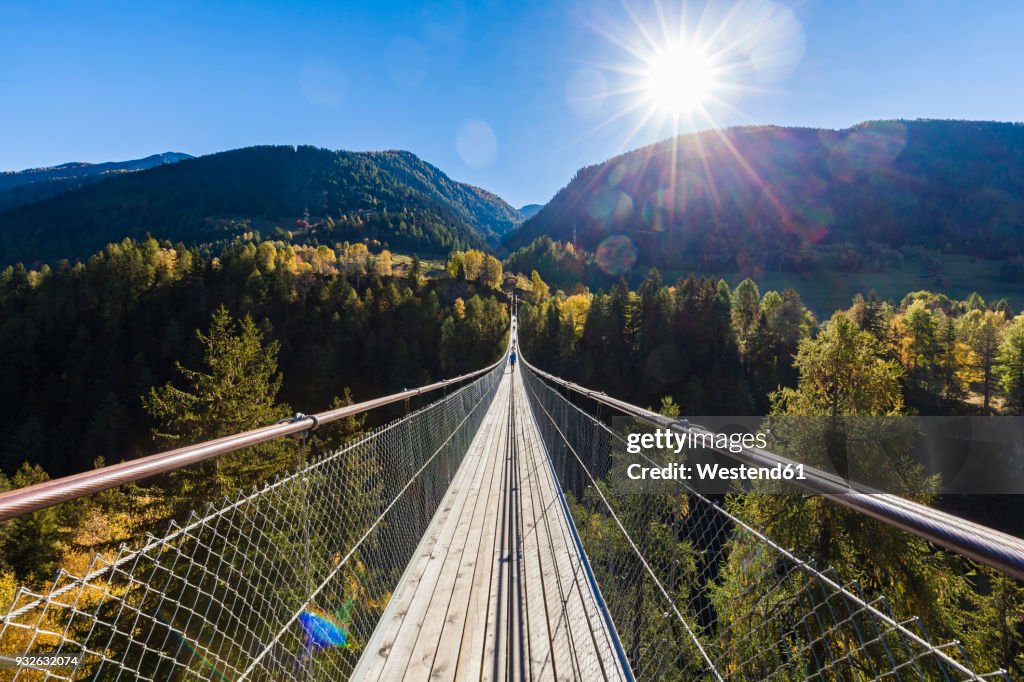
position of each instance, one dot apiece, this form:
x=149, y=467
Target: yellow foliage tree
x=382, y=265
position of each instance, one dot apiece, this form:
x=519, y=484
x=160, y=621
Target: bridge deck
x=496, y=588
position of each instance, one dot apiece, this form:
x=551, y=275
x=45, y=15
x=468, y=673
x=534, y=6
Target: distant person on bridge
x=512, y=360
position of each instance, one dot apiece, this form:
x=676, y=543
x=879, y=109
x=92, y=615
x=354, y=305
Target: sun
x=679, y=79
x=679, y=66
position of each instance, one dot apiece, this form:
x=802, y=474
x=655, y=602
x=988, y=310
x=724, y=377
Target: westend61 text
x=716, y=472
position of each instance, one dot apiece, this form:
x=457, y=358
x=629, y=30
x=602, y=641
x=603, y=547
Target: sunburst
x=680, y=79
x=687, y=65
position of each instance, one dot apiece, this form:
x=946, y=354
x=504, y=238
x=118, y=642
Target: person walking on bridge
x=512, y=360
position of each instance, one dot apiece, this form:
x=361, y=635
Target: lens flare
x=324, y=630
x=476, y=143
x=609, y=207
x=616, y=254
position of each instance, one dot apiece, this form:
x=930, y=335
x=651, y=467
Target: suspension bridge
x=481, y=536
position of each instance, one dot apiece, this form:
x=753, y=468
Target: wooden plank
x=549, y=638
x=379, y=645
x=477, y=630
x=592, y=647
x=606, y=637
x=562, y=635
x=533, y=597
x=407, y=634
x=393, y=633
x=494, y=660
x=469, y=582
x=456, y=564
x=496, y=587
x=590, y=642
x=517, y=636
x=419, y=579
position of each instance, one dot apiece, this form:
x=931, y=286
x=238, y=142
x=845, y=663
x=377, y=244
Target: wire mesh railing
x=695, y=592
x=286, y=582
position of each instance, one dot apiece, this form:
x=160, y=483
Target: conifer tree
x=235, y=391
x=31, y=542
x=745, y=307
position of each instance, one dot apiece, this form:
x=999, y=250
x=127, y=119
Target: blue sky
x=511, y=96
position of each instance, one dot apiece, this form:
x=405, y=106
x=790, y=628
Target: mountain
x=35, y=184
x=798, y=198
x=393, y=197
x=530, y=210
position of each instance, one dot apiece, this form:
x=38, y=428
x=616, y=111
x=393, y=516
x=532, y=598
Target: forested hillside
x=35, y=184
x=772, y=198
x=84, y=344
x=392, y=197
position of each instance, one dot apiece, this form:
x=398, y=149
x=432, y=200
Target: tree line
x=721, y=350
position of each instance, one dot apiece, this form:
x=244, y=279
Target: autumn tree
x=844, y=379
x=356, y=261
x=842, y=372
x=475, y=266
x=382, y=264
x=539, y=291
x=919, y=347
x=474, y=261
x=490, y=272
x=981, y=330
x=1010, y=365
x=472, y=333
x=456, y=265
x=323, y=260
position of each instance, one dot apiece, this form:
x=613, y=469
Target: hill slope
x=392, y=196
x=35, y=184
x=530, y=210
x=772, y=196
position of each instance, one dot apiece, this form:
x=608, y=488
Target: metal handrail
x=42, y=495
x=986, y=545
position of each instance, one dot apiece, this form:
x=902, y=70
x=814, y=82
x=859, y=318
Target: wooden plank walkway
x=496, y=589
